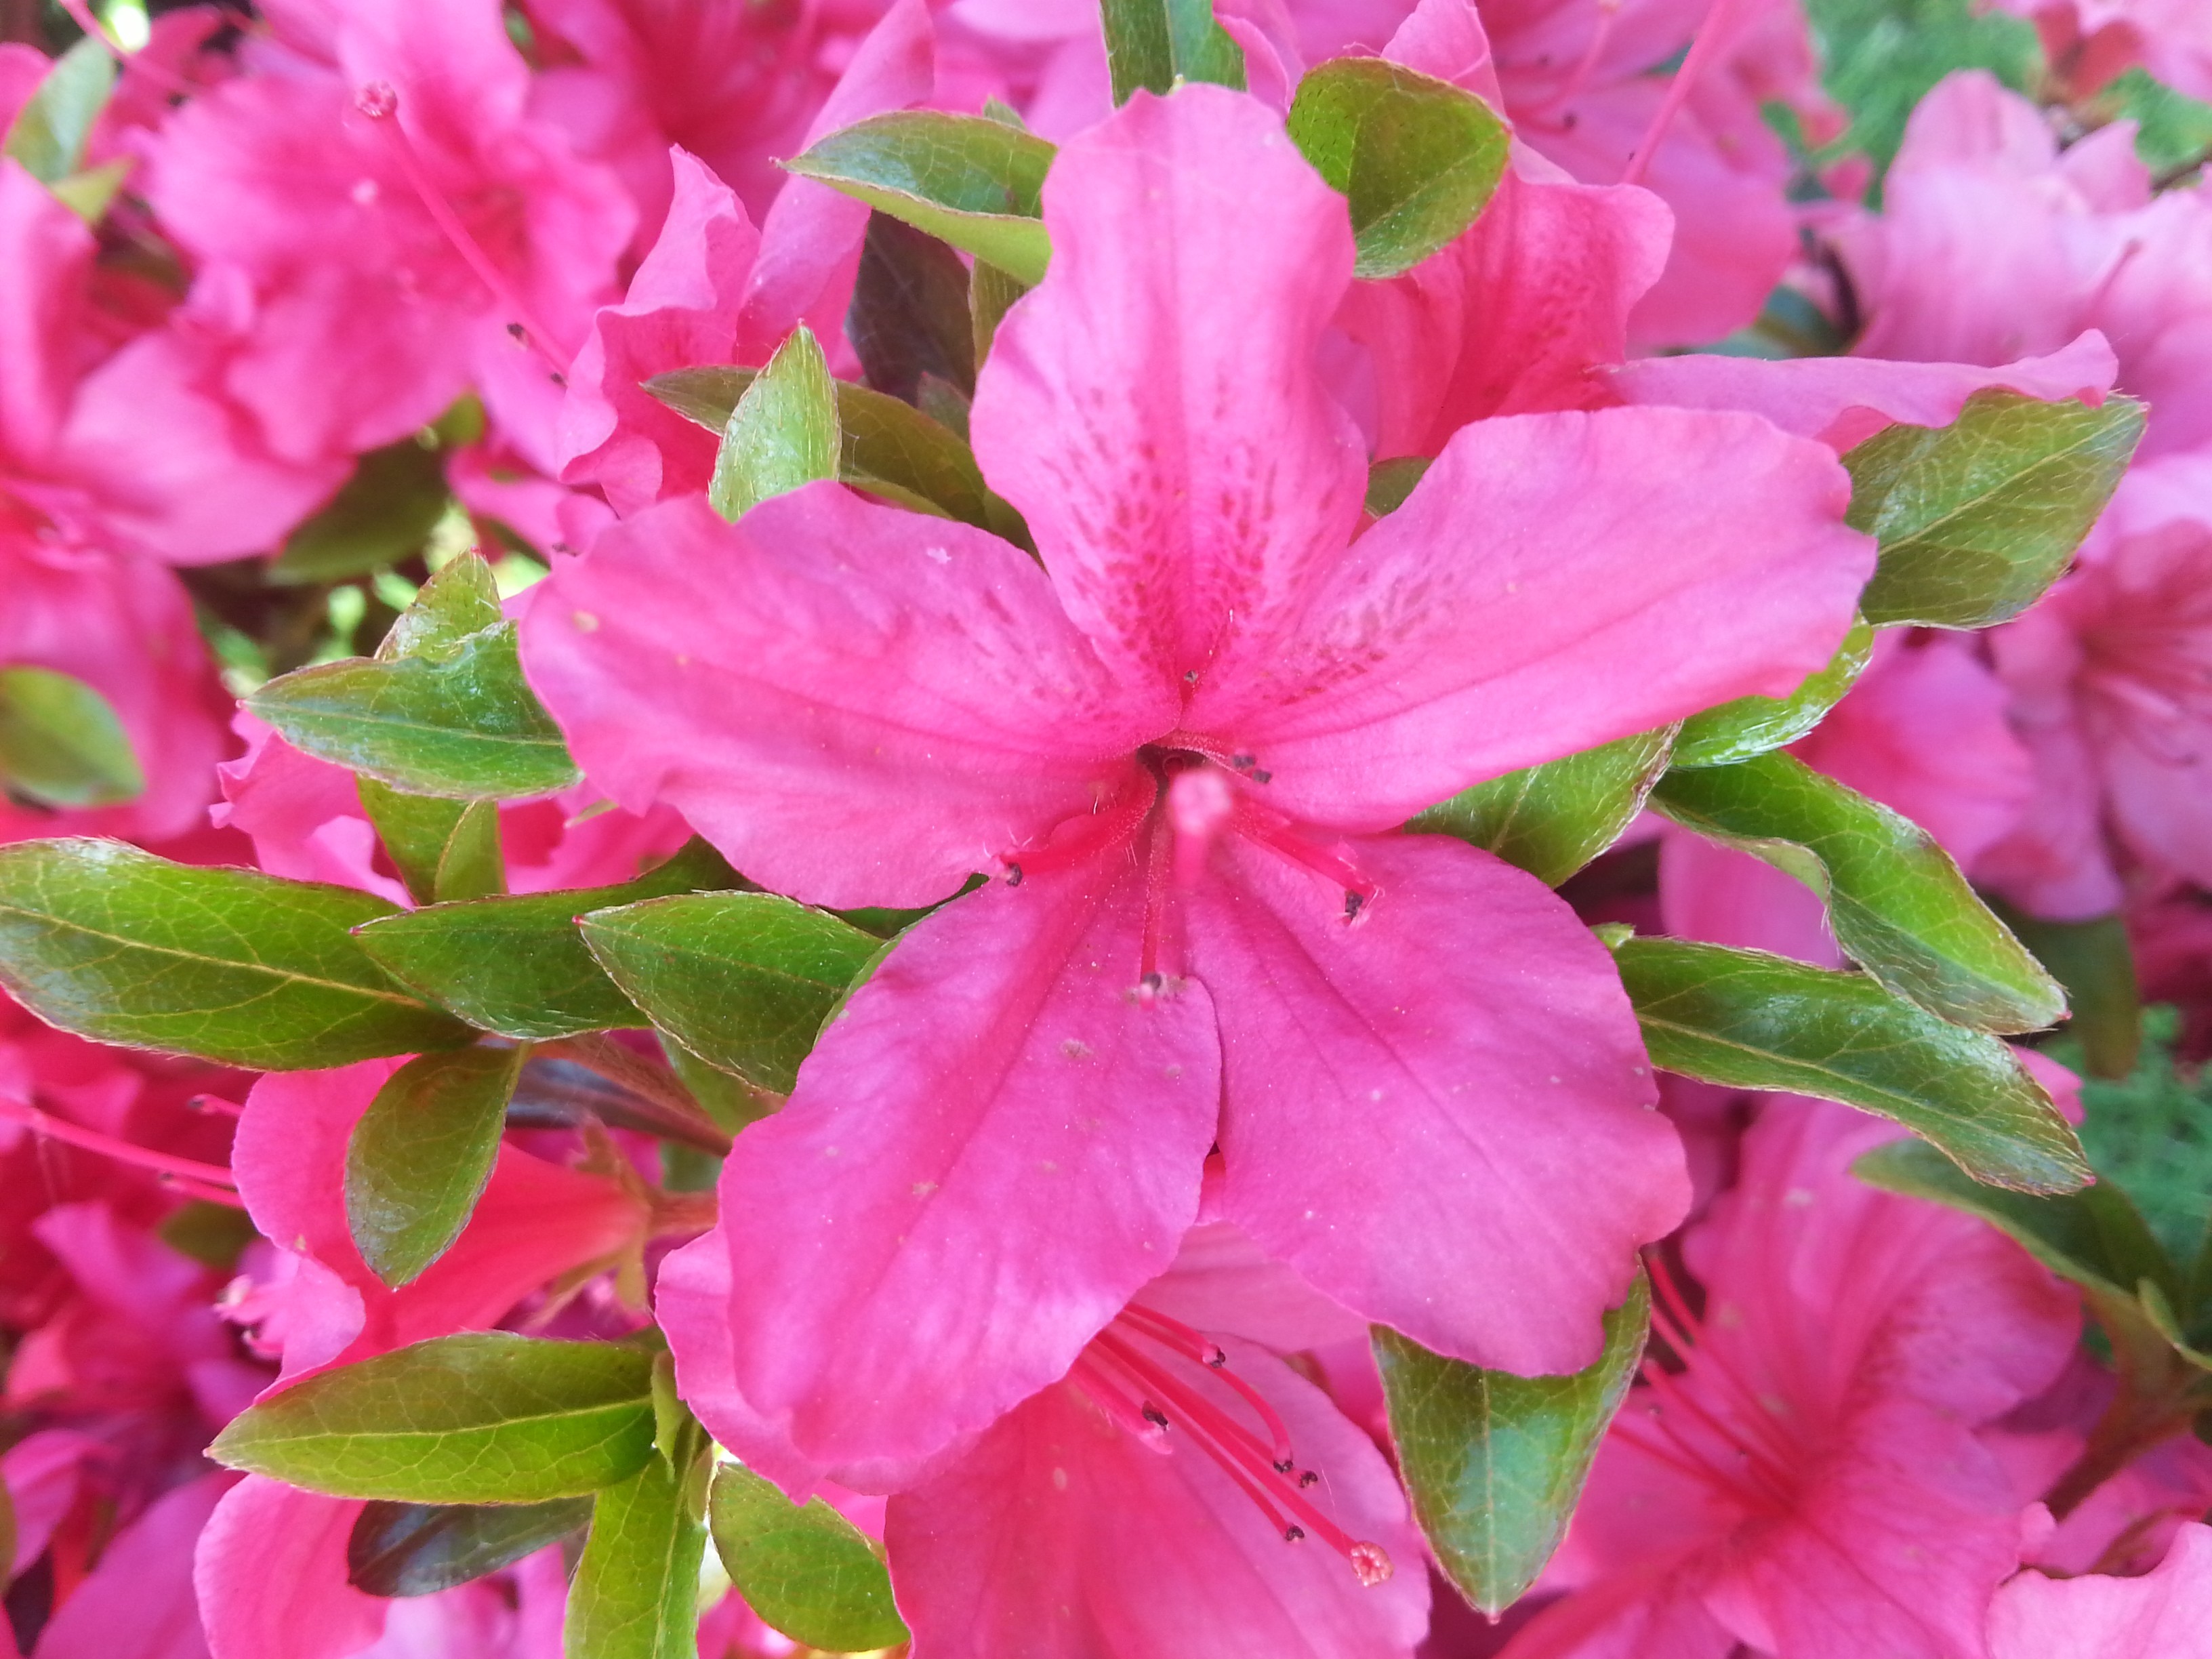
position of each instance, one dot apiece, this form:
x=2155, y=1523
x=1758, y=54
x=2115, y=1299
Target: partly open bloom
x=1179, y=744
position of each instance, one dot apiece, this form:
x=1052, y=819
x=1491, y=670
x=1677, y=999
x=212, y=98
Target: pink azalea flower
x=1179, y=744
x=2108, y=678
x=2090, y=41
x=137, y=1601
x=1803, y=1475
x=2161, y=1615
x=1141, y=1504
x=477, y=242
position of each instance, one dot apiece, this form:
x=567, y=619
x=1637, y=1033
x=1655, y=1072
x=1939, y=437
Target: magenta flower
x=2161, y=1615
x=1179, y=744
x=1804, y=1476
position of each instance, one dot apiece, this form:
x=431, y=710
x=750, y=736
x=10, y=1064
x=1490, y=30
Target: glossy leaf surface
x=742, y=980
x=1152, y=44
x=1495, y=1463
x=1417, y=158
x=2093, y=962
x=636, y=1589
x=49, y=133
x=443, y=849
x=783, y=432
x=486, y=1417
x=116, y=945
x=1898, y=904
x=419, y=1549
x=381, y=515
x=909, y=316
x=1747, y=1020
x=60, y=745
x=1552, y=819
x=1975, y=519
x=1752, y=726
x=807, y=1570
x=421, y=1155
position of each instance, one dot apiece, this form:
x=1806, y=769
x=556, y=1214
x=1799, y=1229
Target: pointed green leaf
x=381, y=515
x=443, y=850
x=808, y=1572
x=991, y=295
x=1389, y=483
x=214, y=1235
x=453, y=719
x=742, y=980
x=488, y=1417
x=1552, y=819
x=1898, y=904
x=1494, y=1462
x=231, y=965
x=518, y=965
x=1418, y=158
x=1975, y=519
x=419, y=1549
x=1751, y=726
x=421, y=1155
x=90, y=193
x=61, y=744
x=966, y=179
x=1747, y=1020
x=49, y=133
x=783, y=432
x=2093, y=961
x=1150, y=44
x=459, y=600
x=910, y=313
x=636, y=1589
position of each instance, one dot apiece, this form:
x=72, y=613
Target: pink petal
x=1842, y=401
x=1522, y=313
x=2162, y=1615
x=271, y=1572
x=681, y=310
x=1224, y=1284
x=1726, y=897
x=1061, y=1537
x=42, y=1473
x=993, y=1145
x=1445, y=38
x=793, y=683
x=45, y=253
x=1468, y=1156
x=1555, y=582
x=1154, y=408
x=137, y=1602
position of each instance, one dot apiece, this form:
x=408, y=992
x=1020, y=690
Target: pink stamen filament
x=380, y=105
x=1159, y=844
x=1711, y=36
x=1672, y=1317
x=91, y=1141
x=1578, y=77
x=222, y=1195
x=1274, y=833
x=1189, y=1343
x=1103, y=830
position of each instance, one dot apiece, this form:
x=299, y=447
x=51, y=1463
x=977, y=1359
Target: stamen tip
x=377, y=100
x=1371, y=1562
x=1293, y=1535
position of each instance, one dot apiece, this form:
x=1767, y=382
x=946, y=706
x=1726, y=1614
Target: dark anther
x=1291, y=1535
x=1243, y=762
x=1306, y=1478
x=558, y=379
x=1261, y=777
x=1215, y=1359
x=1155, y=1416
x=1191, y=678
x=1152, y=982
x=1353, y=902
x=1013, y=875
x=516, y=332
x=1284, y=1466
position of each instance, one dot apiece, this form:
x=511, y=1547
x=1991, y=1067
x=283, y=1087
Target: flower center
x=1123, y=1373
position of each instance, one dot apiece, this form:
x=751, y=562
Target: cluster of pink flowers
x=1060, y=1271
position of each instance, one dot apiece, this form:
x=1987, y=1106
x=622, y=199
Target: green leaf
x=443, y=850
x=808, y=1572
x=518, y=966
x=421, y=1155
x=1751, y=726
x=380, y=516
x=1975, y=519
x=116, y=945
x=90, y=193
x=1552, y=819
x=910, y=313
x=214, y=1235
x=966, y=179
x=1153, y=43
x=1747, y=1020
x=991, y=295
x=2173, y=131
x=419, y=1549
x=2093, y=1238
x=783, y=432
x=453, y=718
x=1389, y=483
x=487, y=1418
x=2151, y=1131
x=886, y=447
x=60, y=745
x=636, y=1589
x=2093, y=961
x=1898, y=904
x=459, y=600
x=1418, y=158
x=49, y=133
x=1494, y=1462
x=1881, y=57
x=742, y=980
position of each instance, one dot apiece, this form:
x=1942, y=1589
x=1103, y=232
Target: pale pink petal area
x=1843, y=401
x=1525, y=312
x=990, y=1148
x=44, y=252
x=1469, y=1155
x=1724, y=895
x=41, y=1473
x=1445, y=38
x=2164, y=1614
x=1061, y=1536
x=1224, y=1283
x=1185, y=520
x=137, y=1602
x=681, y=310
x=272, y=1577
x=797, y=682
x=303, y=815
x=1491, y=622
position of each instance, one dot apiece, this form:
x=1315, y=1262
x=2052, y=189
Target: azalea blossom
x=1178, y=745
x=2161, y=1615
